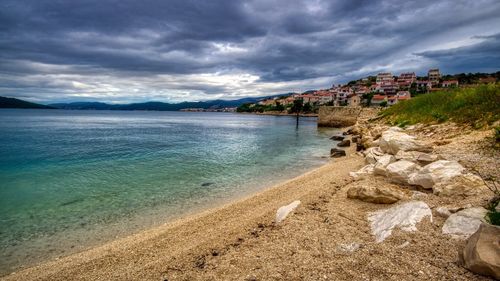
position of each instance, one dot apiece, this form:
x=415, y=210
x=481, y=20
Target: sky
x=122, y=51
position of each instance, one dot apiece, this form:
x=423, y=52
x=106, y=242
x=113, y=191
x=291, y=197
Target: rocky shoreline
x=391, y=211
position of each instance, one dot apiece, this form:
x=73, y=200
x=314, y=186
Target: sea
x=73, y=179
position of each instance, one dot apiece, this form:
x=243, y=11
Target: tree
x=307, y=108
x=279, y=107
x=297, y=106
x=383, y=104
x=368, y=98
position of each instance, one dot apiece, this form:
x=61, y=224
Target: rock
x=355, y=138
x=417, y=195
x=336, y=153
x=359, y=147
x=363, y=172
x=401, y=170
x=349, y=247
x=417, y=157
x=461, y=185
x=404, y=216
x=443, y=212
x=367, y=141
x=439, y=171
x=392, y=141
x=405, y=244
x=283, y=211
x=375, y=193
x=337, y=138
x=372, y=155
x=482, y=251
x=344, y=143
x=464, y=223
x=382, y=163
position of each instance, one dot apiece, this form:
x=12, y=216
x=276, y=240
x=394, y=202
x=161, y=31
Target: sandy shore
x=240, y=241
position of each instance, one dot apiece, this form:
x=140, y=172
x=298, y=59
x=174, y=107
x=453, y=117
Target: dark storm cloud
x=183, y=49
x=484, y=56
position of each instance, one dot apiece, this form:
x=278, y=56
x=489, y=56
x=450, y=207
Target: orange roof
x=378, y=97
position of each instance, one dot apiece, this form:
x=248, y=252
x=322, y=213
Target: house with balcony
x=434, y=76
x=384, y=77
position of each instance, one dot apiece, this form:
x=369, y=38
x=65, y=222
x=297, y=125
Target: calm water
x=71, y=179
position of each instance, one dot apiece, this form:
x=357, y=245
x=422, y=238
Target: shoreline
x=267, y=201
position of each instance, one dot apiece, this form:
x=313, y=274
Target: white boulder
x=392, y=141
x=404, y=217
x=439, y=171
x=464, y=223
x=461, y=185
x=283, y=211
x=417, y=157
x=401, y=170
x=363, y=172
x=372, y=155
x=382, y=163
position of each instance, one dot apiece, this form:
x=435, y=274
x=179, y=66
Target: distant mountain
x=160, y=106
x=17, y=103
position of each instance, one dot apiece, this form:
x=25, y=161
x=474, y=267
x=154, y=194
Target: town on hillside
x=382, y=90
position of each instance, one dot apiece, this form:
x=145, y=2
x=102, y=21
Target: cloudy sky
x=173, y=50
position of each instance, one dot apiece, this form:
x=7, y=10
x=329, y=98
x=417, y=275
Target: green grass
x=477, y=106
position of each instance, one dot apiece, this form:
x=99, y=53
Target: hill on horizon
x=160, y=106
x=17, y=103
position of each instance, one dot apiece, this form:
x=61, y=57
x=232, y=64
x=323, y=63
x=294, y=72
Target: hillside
x=17, y=103
x=159, y=106
x=476, y=106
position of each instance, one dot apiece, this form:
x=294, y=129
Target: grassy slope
x=477, y=106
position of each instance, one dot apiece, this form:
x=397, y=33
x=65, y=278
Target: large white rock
x=283, y=211
x=462, y=185
x=401, y=170
x=404, y=217
x=393, y=141
x=372, y=155
x=363, y=172
x=464, y=223
x=382, y=163
x=417, y=157
x=439, y=171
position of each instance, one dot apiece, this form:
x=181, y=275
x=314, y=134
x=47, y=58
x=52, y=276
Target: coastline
x=328, y=236
x=185, y=237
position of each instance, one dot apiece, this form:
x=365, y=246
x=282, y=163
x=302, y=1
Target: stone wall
x=338, y=116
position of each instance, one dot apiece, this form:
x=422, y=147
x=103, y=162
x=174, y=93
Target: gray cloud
x=190, y=50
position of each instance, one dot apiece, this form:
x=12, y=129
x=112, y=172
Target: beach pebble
x=283, y=211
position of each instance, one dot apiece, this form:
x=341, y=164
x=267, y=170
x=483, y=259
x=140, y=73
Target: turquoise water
x=71, y=179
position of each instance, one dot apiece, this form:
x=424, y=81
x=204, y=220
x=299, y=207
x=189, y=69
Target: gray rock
x=344, y=143
x=337, y=138
x=336, y=153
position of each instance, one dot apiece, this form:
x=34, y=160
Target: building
x=384, y=77
x=389, y=88
x=353, y=100
x=434, y=76
x=487, y=80
x=406, y=79
x=449, y=83
x=424, y=85
x=378, y=99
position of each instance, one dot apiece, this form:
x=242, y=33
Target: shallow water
x=72, y=179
